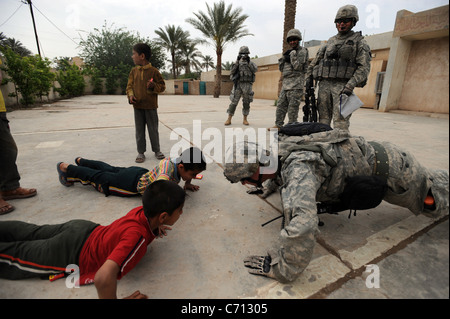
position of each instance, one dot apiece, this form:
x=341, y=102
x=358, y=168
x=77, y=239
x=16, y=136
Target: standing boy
x=144, y=84
x=103, y=254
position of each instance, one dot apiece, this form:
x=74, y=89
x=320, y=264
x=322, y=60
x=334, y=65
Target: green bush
x=31, y=75
x=95, y=80
x=71, y=81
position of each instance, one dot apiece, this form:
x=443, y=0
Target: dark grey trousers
x=9, y=175
x=28, y=250
x=149, y=118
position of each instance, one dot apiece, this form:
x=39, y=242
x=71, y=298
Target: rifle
x=310, y=107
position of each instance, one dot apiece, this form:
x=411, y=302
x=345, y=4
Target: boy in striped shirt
x=131, y=181
x=103, y=254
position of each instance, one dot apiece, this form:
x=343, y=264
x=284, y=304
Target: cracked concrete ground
x=202, y=256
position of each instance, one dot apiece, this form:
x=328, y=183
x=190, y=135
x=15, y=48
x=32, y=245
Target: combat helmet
x=294, y=33
x=244, y=50
x=241, y=161
x=346, y=12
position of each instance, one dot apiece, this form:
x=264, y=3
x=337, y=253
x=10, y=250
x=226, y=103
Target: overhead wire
x=55, y=25
x=12, y=14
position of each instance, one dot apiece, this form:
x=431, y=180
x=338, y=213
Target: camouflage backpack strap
x=381, y=166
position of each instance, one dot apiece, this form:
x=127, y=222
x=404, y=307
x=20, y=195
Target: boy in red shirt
x=103, y=254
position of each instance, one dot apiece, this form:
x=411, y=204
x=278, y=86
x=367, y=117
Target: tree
x=172, y=39
x=227, y=66
x=111, y=46
x=15, y=45
x=30, y=75
x=220, y=25
x=207, y=62
x=290, y=9
x=70, y=79
x=109, y=49
x=189, y=56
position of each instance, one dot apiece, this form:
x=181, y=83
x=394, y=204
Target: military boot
x=228, y=121
x=245, y=122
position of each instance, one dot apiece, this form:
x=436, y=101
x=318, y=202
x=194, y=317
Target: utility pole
x=34, y=26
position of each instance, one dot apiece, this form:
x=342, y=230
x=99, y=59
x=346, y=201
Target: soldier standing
x=292, y=65
x=342, y=64
x=243, y=76
x=319, y=168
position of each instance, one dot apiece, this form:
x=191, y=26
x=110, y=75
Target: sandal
x=5, y=208
x=140, y=158
x=18, y=193
x=63, y=176
x=159, y=155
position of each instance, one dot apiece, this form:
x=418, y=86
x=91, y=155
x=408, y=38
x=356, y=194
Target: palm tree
x=290, y=8
x=189, y=55
x=227, y=66
x=15, y=45
x=207, y=62
x=220, y=25
x=172, y=38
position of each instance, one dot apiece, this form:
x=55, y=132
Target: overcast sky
x=60, y=23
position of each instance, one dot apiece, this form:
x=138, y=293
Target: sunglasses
x=347, y=20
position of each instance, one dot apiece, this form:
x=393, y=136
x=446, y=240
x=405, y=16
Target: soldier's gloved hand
x=287, y=56
x=347, y=91
x=259, y=265
x=267, y=192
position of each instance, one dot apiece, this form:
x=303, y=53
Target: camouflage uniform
x=343, y=62
x=244, y=70
x=318, y=175
x=314, y=169
x=293, y=73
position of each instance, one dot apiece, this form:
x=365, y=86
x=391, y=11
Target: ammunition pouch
x=334, y=69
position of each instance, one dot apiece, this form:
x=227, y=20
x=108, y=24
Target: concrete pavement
x=202, y=256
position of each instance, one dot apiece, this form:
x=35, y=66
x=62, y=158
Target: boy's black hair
x=162, y=196
x=143, y=48
x=192, y=159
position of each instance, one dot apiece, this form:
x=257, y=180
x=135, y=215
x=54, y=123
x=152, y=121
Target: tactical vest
x=346, y=155
x=339, y=61
x=245, y=73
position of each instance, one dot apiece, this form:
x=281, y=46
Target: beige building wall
x=427, y=77
x=417, y=72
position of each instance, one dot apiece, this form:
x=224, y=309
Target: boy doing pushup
x=103, y=254
x=133, y=180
